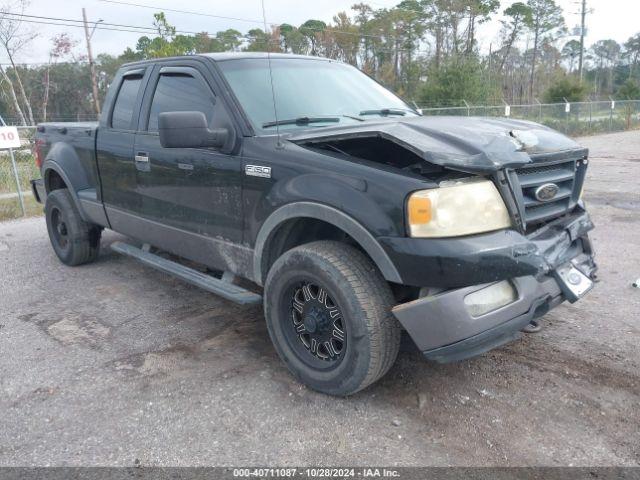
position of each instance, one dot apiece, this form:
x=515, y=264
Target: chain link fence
x=574, y=119
x=581, y=118
x=16, y=199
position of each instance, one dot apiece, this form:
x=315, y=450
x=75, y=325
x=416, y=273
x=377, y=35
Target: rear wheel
x=328, y=312
x=74, y=240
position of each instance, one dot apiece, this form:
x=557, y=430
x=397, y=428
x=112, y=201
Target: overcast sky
x=617, y=19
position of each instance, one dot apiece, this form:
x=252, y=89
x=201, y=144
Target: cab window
x=179, y=93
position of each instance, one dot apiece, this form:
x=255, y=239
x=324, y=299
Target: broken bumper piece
x=465, y=322
x=445, y=330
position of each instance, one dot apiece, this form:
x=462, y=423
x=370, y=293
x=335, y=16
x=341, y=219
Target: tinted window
x=126, y=100
x=179, y=93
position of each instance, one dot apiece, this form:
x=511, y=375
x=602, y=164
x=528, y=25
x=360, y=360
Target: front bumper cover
x=487, y=257
x=445, y=331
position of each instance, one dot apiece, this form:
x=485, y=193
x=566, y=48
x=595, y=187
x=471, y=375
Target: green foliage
x=630, y=90
x=168, y=44
x=568, y=88
x=292, y=40
x=546, y=16
x=313, y=29
x=570, y=52
x=455, y=80
x=519, y=11
x=258, y=41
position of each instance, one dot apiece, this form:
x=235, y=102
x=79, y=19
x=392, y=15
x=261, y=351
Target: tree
x=61, y=47
x=479, y=12
x=258, y=41
x=230, y=40
x=546, y=17
x=454, y=80
x=570, y=51
x=518, y=16
x=292, y=39
x=607, y=54
x=313, y=29
x=204, y=43
x=344, y=39
x=632, y=52
x=566, y=88
x=630, y=90
x=13, y=39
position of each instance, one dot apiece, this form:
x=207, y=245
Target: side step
x=211, y=284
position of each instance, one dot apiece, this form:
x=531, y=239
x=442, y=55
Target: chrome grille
x=567, y=174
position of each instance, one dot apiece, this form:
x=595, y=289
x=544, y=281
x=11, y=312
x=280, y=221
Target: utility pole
x=92, y=66
x=582, y=24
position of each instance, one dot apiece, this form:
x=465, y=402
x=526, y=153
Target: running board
x=211, y=284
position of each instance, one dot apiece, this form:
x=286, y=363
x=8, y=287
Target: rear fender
x=63, y=160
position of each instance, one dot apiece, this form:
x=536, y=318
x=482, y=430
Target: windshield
x=306, y=91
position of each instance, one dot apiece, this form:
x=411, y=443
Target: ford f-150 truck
x=301, y=183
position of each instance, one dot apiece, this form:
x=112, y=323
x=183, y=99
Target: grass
x=26, y=167
x=10, y=208
x=27, y=170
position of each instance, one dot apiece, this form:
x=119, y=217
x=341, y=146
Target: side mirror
x=189, y=130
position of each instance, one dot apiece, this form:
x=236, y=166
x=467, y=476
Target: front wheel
x=328, y=312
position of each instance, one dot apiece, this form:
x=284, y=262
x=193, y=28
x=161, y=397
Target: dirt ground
x=116, y=364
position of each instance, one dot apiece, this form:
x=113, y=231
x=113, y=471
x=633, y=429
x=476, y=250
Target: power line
x=147, y=30
x=81, y=26
x=98, y=25
x=300, y=28
x=188, y=12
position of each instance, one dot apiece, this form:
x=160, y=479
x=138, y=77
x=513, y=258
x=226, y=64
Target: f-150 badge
x=257, y=171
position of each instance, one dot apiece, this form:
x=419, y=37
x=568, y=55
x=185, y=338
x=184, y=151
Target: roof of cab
x=221, y=56
x=224, y=56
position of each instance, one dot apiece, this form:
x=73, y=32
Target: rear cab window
x=125, y=102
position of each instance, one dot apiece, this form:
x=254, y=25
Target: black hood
x=472, y=144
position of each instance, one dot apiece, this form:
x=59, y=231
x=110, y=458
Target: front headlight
x=460, y=207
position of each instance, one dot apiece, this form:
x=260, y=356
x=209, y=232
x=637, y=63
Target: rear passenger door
x=114, y=146
x=194, y=190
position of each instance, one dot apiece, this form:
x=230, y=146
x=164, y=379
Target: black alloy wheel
x=317, y=329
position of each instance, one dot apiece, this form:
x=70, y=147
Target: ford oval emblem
x=546, y=192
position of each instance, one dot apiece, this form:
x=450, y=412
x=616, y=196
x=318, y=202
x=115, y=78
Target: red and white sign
x=9, y=138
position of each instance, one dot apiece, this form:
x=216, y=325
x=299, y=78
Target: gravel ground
x=116, y=364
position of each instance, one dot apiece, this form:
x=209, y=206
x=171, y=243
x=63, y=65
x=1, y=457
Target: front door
x=192, y=191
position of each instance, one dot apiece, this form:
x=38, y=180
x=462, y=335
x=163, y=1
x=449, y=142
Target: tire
x=297, y=313
x=74, y=240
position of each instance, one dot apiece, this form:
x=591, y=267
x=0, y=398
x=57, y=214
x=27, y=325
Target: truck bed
x=71, y=143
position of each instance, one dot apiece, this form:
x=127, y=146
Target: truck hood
x=470, y=144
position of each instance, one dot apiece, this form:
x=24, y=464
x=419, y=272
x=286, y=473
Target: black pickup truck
x=302, y=183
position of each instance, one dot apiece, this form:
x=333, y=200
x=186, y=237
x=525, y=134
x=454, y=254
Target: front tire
x=74, y=240
x=328, y=312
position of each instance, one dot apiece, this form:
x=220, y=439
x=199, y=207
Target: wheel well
x=54, y=181
x=298, y=231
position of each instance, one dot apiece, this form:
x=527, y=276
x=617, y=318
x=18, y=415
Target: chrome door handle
x=142, y=157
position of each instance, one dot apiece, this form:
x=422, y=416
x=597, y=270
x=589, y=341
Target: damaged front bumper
x=445, y=329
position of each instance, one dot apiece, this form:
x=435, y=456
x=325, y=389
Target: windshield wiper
x=301, y=121
x=384, y=112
